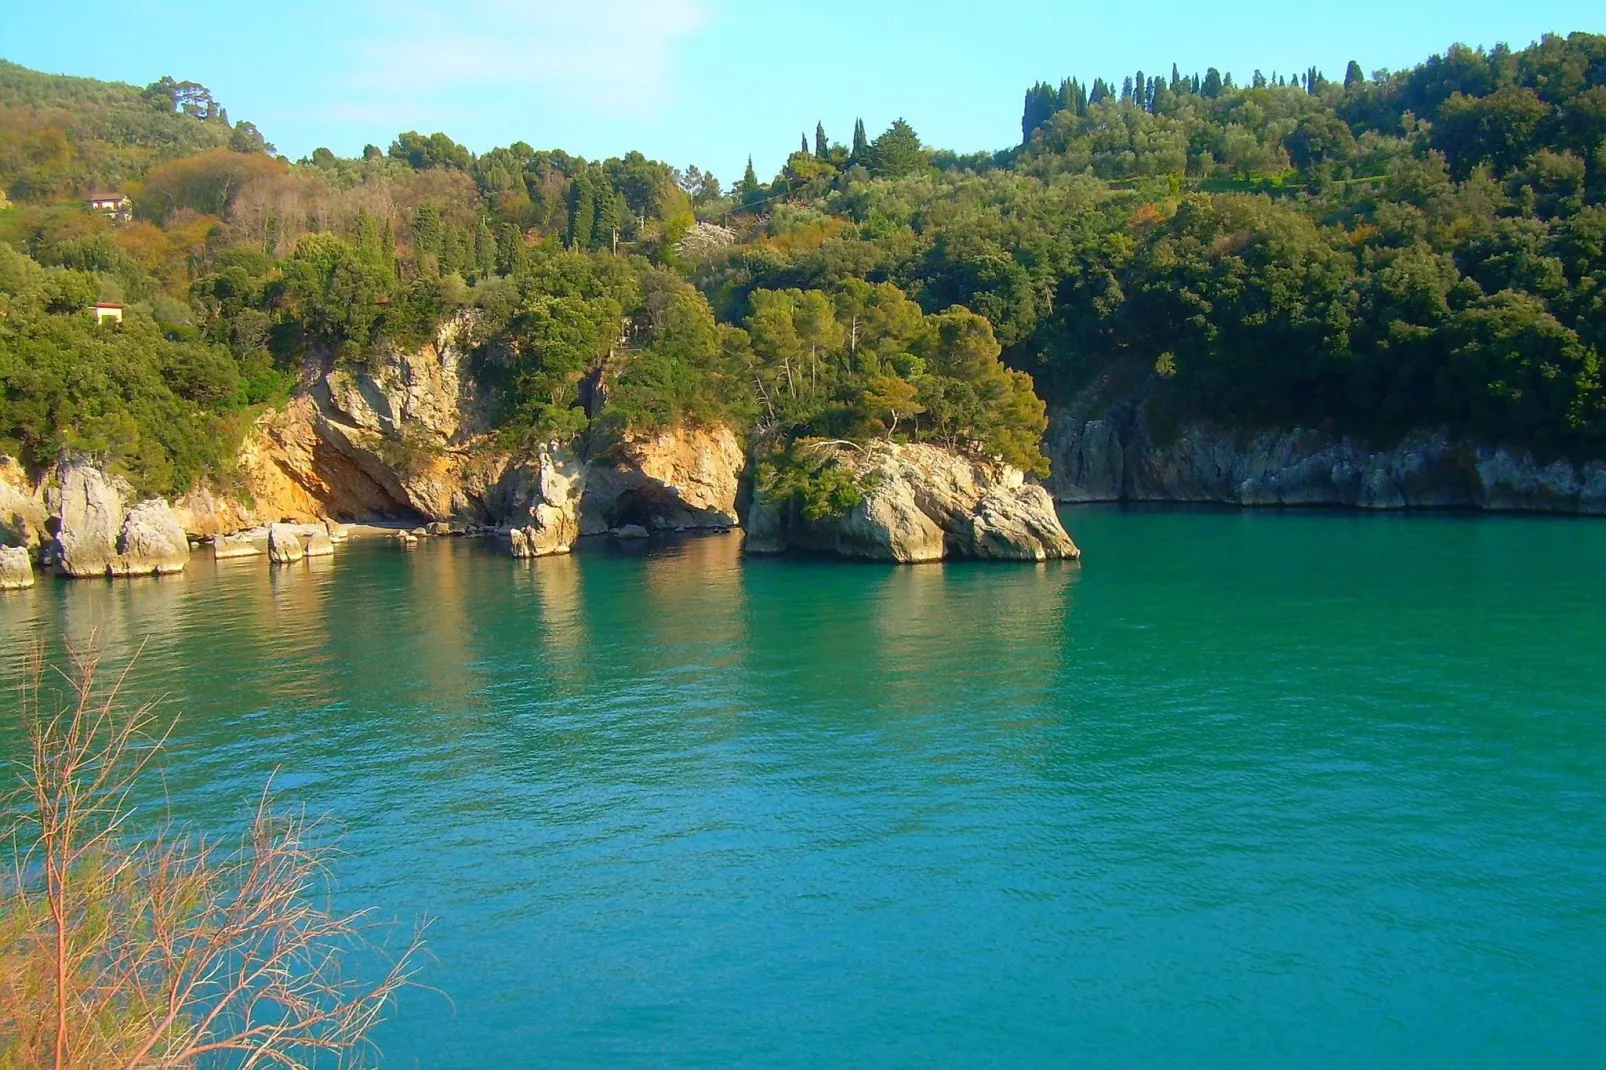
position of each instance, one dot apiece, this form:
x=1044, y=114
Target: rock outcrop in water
x=16, y=568
x=1108, y=451
x=97, y=536
x=544, y=500
x=284, y=545
x=670, y=481
x=920, y=503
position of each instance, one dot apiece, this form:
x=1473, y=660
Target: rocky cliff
x=409, y=436
x=919, y=503
x=1108, y=450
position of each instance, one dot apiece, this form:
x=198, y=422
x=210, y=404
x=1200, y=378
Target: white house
x=107, y=310
x=115, y=205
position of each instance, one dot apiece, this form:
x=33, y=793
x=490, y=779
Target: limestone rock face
x=544, y=501
x=921, y=503
x=22, y=507
x=16, y=568
x=284, y=545
x=152, y=541
x=89, y=512
x=1104, y=449
x=674, y=480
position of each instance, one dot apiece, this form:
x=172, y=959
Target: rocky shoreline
x=409, y=441
x=1105, y=450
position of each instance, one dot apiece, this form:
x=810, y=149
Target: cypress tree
x=1176, y=80
x=1212, y=83
x=427, y=230
x=582, y=212
x=484, y=249
x=1353, y=76
x=1126, y=88
x=822, y=148
x=509, y=250
x=752, y=194
x=805, y=149
x=1140, y=91
x=387, y=243
x=1041, y=103
x=861, y=143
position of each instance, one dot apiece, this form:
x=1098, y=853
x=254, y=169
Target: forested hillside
x=1370, y=254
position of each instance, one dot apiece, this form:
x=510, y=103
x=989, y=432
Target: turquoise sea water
x=1243, y=790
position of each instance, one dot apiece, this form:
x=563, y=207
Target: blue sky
x=710, y=81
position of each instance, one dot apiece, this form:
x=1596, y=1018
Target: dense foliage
x=1373, y=255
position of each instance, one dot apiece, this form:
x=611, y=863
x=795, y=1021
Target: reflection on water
x=1209, y=800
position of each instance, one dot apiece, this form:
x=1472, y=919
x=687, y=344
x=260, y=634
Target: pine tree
x=822, y=147
x=897, y=152
x=1212, y=84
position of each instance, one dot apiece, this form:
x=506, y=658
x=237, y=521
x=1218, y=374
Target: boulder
x=320, y=545
x=152, y=542
x=630, y=532
x=96, y=536
x=284, y=545
x=546, y=498
x=16, y=569
x=337, y=532
x=228, y=549
x=89, y=514
x=440, y=529
x=920, y=503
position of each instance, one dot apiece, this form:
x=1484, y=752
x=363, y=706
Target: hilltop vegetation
x=1369, y=255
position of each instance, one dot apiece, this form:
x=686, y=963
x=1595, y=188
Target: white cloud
x=611, y=56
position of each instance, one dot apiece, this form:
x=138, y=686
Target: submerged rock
x=920, y=503
x=16, y=568
x=284, y=545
